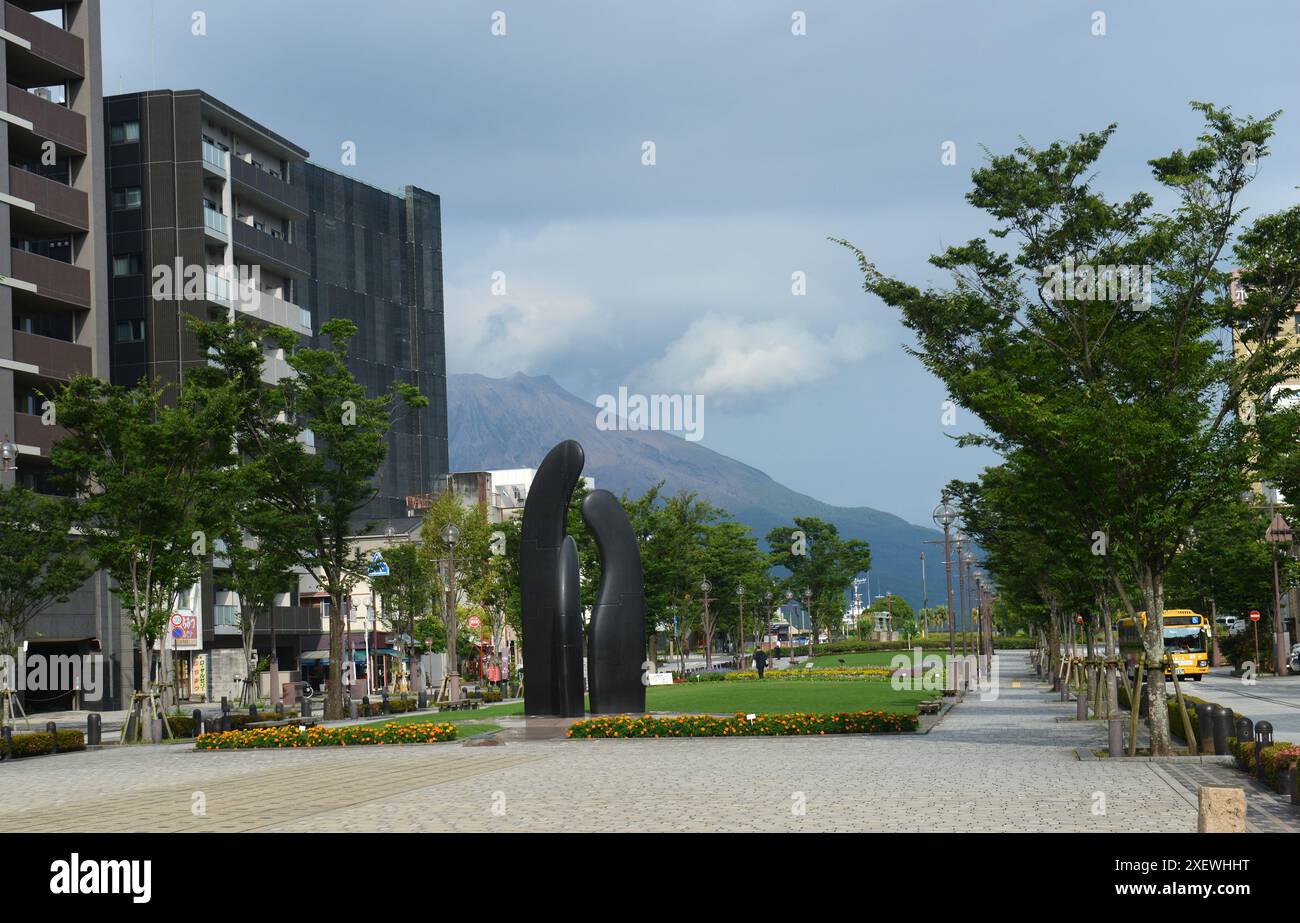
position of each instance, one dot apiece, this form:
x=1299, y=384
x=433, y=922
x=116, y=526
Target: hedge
x=935, y=640
x=797, y=724
x=39, y=743
x=348, y=736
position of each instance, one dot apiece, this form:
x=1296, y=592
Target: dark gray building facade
x=376, y=260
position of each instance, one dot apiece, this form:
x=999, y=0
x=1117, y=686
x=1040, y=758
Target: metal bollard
x=1245, y=730
x=1263, y=738
x=225, y=721
x=197, y=717
x=384, y=706
x=279, y=710
x=53, y=730
x=421, y=700
x=7, y=736
x=252, y=711
x=1081, y=712
x=1205, y=727
x=365, y=706
x=94, y=729
x=225, y=705
x=1222, y=729
x=352, y=708
x=1295, y=786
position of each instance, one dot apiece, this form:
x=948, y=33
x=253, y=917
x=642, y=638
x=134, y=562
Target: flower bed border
x=795, y=724
x=353, y=735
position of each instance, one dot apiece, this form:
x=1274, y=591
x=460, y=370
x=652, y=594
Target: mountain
x=513, y=422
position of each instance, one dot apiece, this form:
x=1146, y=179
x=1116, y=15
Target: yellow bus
x=1187, y=642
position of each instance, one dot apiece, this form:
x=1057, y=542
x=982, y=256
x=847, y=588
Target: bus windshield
x=1183, y=640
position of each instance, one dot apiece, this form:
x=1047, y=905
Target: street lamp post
x=740, y=626
x=767, y=627
x=944, y=516
x=925, y=601
x=970, y=604
x=8, y=462
x=812, y=623
x=451, y=535
x=958, y=547
x=705, y=586
x=1279, y=532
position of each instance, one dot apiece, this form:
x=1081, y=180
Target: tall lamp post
x=944, y=516
x=812, y=623
x=789, y=633
x=958, y=547
x=740, y=627
x=970, y=604
x=451, y=535
x=705, y=586
x=1279, y=532
x=925, y=601
x=767, y=627
x=8, y=463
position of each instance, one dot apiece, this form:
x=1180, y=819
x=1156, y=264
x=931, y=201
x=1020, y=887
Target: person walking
x=760, y=661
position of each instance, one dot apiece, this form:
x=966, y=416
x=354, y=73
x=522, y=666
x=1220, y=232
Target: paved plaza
x=1003, y=764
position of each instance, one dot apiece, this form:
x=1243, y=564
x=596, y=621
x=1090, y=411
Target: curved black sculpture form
x=616, y=636
x=548, y=587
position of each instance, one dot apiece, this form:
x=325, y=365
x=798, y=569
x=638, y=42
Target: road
x=1268, y=698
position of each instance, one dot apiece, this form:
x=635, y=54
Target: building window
x=124, y=132
x=129, y=331
x=126, y=197
x=128, y=264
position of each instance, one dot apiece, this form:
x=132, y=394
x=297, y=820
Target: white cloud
x=734, y=362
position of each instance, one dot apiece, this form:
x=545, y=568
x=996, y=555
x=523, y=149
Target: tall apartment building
x=201, y=190
x=196, y=186
x=53, y=282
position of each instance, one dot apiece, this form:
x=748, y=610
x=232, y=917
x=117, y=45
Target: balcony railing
x=49, y=120
x=275, y=310
x=216, y=288
x=50, y=44
x=54, y=200
x=215, y=157
x=54, y=279
x=213, y=220
x=287, y=257
x=268, y=188
x=57, y=359
x=31, y=430
x=225, y=616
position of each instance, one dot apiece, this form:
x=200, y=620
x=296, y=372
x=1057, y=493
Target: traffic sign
x=378, y=567
x=176, y=632
x=475, y=622
x=1254, y=615
x=177, y=619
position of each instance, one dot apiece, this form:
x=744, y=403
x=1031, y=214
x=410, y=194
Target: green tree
x=1123, y=393
x=150, y=476
x=39, y=564
x=322, y=491
x=820, y=561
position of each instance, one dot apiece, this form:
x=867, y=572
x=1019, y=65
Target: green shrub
x=38, y=743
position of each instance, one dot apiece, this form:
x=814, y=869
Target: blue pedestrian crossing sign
x=378, y=566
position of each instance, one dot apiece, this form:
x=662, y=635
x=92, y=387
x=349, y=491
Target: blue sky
x=676, y=277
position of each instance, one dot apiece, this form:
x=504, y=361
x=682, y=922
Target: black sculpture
x=548, y=583
x=616, y=636
x=548, y=586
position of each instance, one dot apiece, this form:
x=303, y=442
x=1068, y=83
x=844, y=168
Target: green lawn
x=775, y=696
x=728, y=697
x=869, y=659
